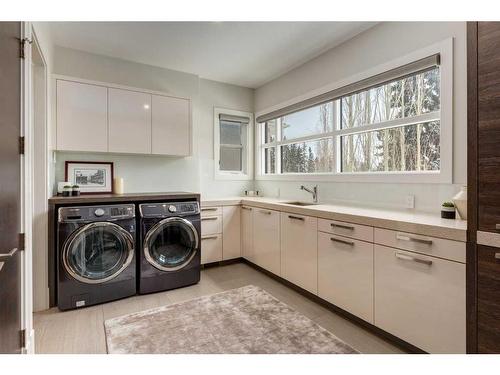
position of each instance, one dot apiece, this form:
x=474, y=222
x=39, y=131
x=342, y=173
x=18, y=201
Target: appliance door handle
x=209, y=238
x=348, y=227
x=209, y=218
x=8, y=255
x=413, y=259
x=404, y=237
x=296, y=217
x=350, y=243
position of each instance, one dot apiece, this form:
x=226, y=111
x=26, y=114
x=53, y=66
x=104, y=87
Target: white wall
x=378, y=45
x=159, y=173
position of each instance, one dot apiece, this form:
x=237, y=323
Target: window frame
x=247, y=172
x=444, y=175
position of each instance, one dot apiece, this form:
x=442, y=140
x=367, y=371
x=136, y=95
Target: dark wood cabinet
x=488, y=299
x=483, y=170
x=488, y=120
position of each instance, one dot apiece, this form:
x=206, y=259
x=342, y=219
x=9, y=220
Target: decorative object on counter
x=448, y=210
x=60, y=187
x=75, y=190
x=252, y=193
x=460, y=201
x=118, y=185
x=67, y=191
x=93, y=177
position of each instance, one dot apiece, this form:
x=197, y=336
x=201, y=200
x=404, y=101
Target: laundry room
x=221, y=185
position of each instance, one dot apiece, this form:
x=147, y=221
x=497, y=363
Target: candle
x=118, y=182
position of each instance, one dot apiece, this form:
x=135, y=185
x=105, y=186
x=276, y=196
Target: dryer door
x=98, y=252
x=171, y=244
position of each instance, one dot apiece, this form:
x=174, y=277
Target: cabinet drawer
x=488, y=299
x=345, y=274
x=211, y=211
x=420, y=299
x=211, y=225
x=211, y=248
x=342, y=228
x=447, y=249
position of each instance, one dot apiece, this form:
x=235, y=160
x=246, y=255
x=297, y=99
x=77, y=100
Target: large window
x=386, y=124
x=233, y=139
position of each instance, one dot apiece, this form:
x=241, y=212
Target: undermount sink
x=300, y=203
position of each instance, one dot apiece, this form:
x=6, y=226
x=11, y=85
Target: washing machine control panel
x=169, y=209
x=96, y=213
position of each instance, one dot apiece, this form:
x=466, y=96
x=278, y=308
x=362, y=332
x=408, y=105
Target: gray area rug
x=243, y=320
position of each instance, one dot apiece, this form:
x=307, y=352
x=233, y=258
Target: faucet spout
x=313, y=191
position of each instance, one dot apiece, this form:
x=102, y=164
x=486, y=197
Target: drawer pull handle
x=350, y=243
x=247, y=208
x=266, y=212
x=413, y=259
x=209, y=238
x=403, y=237
x=8, y=255
x=209, y=218
x=348, y=227
x=209, y=208
x=296, y=217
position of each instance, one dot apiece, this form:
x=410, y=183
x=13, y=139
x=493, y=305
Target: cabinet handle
x=413, y=259
x=350, y=243
x=266, y=212
x=333, y=225
x=247, y=208
x=209, y=238
x=209, y=218
x=8, y=255
x=209, y=208
x=403, y=237
x=296, y=217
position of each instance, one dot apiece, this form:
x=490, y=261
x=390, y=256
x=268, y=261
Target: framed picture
x=93, y=177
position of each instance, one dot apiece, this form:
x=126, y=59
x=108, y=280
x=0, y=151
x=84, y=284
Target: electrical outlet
x=410, y=201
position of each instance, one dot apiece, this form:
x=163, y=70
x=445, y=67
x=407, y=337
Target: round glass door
x=98, y=252
x=171, y=244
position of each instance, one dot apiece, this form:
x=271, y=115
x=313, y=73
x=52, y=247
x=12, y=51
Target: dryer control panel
x=96, y=213
x=168, y=209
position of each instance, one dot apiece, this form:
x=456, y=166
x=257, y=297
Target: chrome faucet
x=314, y=192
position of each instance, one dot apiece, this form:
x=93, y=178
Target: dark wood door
x=488, y=115
x=10, y=188
x=488, y=299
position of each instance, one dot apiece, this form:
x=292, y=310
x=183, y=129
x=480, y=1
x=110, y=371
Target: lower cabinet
x=488, y=299
x=247, y=233
x=266, y=239
x=231, y=228
x=299, y=250
x=345, y=274
x=420, y=299
x=211, y=248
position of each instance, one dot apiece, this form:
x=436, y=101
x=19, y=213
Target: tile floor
x=82, y=331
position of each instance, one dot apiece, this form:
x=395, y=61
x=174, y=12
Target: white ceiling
x=242, y=53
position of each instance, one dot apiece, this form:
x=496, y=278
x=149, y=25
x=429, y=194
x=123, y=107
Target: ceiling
x=247, y=54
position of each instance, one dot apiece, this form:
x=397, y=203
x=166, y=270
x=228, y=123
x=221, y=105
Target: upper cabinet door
x=488, y=152
x=171, y=126
x=82, y=123
x=129, y=121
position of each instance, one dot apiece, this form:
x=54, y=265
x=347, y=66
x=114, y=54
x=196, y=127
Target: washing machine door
x=171, y=244
x=97, y=252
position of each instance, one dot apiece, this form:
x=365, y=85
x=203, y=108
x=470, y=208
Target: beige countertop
x=401, y=220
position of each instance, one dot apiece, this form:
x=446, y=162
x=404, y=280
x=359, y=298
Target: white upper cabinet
x=96, y=117
x=129, y=121
x=81, y=117
x=171, y=126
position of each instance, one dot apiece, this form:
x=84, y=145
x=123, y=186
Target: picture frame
x=93, y=177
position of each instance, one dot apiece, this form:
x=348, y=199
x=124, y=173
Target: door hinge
x=21, y=145
x=22, y=241
x=22, y=44
x=22, y=334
